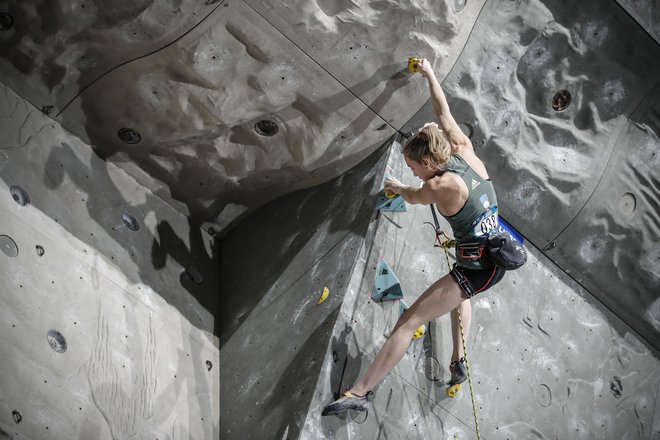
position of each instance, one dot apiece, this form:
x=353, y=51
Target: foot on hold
x=458, y=372
x=347, y=401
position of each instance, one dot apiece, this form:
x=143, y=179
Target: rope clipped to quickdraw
x=446, y=244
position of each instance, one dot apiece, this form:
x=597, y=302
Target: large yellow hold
x=324, y=295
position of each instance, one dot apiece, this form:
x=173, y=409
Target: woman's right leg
x=443, y=296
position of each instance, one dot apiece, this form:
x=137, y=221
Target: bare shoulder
x=449, y=192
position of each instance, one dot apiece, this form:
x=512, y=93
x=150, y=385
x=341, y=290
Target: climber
x=456, y=181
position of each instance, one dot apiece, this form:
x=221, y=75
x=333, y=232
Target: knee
x=407, y=322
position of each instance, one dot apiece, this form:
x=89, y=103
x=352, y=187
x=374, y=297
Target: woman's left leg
x=465, y=309
x=443, y=296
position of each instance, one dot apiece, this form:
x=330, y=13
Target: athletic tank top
x=478, y=218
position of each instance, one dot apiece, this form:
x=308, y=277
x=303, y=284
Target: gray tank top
x=478, y=218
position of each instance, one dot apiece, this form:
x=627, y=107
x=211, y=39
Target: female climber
x=456, y=181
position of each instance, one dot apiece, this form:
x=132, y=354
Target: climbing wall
x=220, y=106
x=274, y=331
x=547, y=360
x=563, y=108
x=108, y=296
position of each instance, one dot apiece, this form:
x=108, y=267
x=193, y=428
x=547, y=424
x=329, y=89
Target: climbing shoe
x=347, y=401
x=458, y=371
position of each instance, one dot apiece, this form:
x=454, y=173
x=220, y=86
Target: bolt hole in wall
x=19, y=195
x=129, y=136
x=266, y=127
x=561, y=100
x=6, y=21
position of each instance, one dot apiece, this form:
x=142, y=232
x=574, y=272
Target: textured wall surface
x=582, y=183
x=106, y=332
x=193, y=79
x=145, y=113
x=547, y=360
x=275, y=265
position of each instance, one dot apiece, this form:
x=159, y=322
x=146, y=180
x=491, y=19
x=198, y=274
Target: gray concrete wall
x=137, y=318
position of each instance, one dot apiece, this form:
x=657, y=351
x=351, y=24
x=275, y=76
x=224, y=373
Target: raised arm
x=447, y=122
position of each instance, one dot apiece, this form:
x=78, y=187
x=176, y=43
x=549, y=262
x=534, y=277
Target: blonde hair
x=430, y=142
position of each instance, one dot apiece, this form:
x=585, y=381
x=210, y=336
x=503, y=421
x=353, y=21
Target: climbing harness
x=446, y=244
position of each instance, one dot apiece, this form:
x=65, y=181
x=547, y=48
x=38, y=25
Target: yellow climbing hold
x=453, y=390
x=389, y=194
x=324, y=295
x=419, y=332
x=413, y=64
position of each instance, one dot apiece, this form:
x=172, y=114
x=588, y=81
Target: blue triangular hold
x=387, y=286
x=385, y=204
x=403, y=306
x=397, y=204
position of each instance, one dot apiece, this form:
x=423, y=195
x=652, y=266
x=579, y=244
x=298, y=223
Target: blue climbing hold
x=387, y=286
x=403, y=306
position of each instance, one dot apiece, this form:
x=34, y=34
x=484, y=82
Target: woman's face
x=422, y=170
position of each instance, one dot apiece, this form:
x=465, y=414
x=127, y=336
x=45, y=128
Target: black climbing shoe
x=458, y=371
x=345, y=402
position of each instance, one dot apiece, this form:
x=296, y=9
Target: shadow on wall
x=303, y=371
x=102, y=194
x=298, y=228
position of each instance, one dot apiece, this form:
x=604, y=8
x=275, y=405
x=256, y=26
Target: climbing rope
x=446, y=244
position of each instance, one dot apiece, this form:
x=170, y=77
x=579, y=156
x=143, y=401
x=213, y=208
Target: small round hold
x=389, y=194
x=628, y=203
x=209, y=365
x=19, y=195
x=6, y=21
x=130, y=221
x=129, y=136
x=40, y=250
x=18, y=417
x=8, y=246
x=335, y=356
x=57, y=341
x=266, y=127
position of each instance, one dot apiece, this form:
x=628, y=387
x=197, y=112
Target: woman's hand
x=425, y=68
x=394, y=185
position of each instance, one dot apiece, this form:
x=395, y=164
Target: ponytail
x=429, y=142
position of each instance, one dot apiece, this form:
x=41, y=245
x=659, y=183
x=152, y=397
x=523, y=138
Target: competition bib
x=485, y=224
